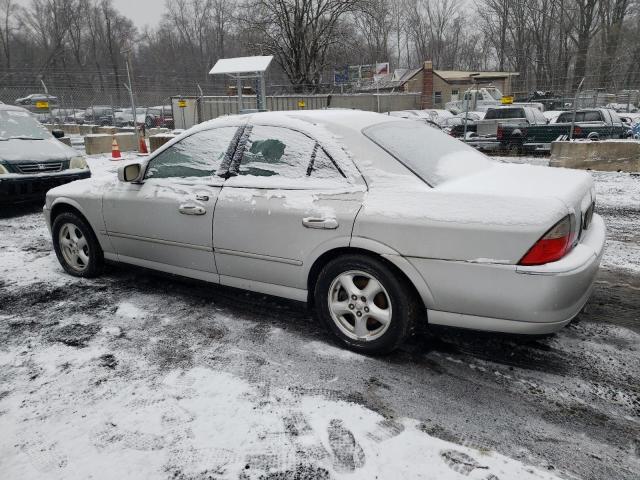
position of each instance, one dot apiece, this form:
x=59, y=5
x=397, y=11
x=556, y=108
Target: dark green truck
x=593, y=124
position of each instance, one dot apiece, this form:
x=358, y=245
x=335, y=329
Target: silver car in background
x=380, y=222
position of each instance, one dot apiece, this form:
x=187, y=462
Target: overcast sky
x=141, y=12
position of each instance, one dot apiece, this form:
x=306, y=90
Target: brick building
x=441, y=86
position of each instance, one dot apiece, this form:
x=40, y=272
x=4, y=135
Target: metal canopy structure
x=245, y=67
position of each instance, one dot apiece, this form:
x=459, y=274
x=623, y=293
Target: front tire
x=369, y=306
x=76, y=246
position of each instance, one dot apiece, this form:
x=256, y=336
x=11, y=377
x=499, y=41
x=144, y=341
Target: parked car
x=100, y=115
x=30, y=101
x=124, y=117
x=32, y=160
x=67, y=115
x=160, y=116
x=416, y=115
x=455, y=126
x=512, y=115
x=380, y=222
x=592, y=124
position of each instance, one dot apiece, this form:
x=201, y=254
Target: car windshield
x=20, y=124
x=432, y=155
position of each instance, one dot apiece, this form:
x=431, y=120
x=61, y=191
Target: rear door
x=166, y=221
x=289, y=201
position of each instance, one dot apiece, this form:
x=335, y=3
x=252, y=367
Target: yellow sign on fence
x=301, y=104
x=182, y=103
x=506, y=100
x=42, y=104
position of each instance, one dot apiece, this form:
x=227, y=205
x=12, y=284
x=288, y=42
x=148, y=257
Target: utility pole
x=130, y=88
x=575, y=107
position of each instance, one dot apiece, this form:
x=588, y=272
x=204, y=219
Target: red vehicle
x=161, y=116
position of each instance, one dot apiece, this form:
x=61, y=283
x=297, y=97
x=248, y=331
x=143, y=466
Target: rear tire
x=76, y=246
x=369, y=306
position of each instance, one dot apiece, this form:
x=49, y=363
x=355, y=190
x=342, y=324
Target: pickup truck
x=513, y=115
x=593, y=124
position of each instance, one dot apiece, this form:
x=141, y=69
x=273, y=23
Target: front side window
x=198, y=155
x=278, y=151
x=433, y=156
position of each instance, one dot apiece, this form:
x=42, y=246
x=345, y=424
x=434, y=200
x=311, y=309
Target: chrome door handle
x=189, y=209
x=202, y=198
x=323, y=223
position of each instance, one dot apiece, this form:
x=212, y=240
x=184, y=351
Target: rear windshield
x=432, y=155
x=505, y=113
x=21, y=124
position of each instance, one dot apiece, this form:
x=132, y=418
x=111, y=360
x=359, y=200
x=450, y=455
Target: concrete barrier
x=87, y=129
x=156, y=141
x=612, y=156
x=98, y=143
x=71, y=129
x=155, y=131
x=108, y=130
x=127, y=142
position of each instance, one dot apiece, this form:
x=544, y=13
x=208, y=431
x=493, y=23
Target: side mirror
x=130, y=173
x=57, y=133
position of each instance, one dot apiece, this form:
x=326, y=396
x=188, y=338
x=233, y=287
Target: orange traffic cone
x=142, y=148
x=115, y=150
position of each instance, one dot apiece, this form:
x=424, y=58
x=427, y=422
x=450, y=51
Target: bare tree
x=587, y=26
x=299, y=33
x=8, y=10
x=612, y=15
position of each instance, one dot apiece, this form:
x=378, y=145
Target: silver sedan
x=381, y=223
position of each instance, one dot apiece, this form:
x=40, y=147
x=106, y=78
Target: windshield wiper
x=21, y=137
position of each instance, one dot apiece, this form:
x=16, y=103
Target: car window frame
x=219, y=179
x=233, y=169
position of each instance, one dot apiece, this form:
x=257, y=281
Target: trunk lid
x=573, y=188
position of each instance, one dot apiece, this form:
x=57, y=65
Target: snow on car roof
x=12, y=107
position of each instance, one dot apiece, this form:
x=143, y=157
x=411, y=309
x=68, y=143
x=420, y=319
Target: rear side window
x=432, y=155
x=568, y=117
x=592, y=117
x=278, y=151
x=198, y=155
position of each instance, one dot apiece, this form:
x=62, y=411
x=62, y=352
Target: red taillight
x=553, y=246
x=577, y=130
x=499, y=133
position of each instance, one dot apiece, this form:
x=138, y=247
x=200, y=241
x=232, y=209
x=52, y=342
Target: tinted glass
x=323, y=166
x=432, y=155
x=592, y=117
x=198, y=155
x=277, y=151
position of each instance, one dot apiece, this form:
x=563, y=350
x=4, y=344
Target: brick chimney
x=427, y=84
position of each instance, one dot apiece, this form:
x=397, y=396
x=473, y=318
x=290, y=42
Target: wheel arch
x=67, y=205
x=64, y=204
x=374, y=249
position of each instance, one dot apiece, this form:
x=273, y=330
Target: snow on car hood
x=51, y=149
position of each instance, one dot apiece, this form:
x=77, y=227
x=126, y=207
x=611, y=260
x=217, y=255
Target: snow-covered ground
x=135, y=375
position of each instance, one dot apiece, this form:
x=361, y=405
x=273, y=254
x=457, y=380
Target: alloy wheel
x=359, y=305
x=74, y=247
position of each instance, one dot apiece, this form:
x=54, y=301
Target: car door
x=288, y=202
x=166, y=221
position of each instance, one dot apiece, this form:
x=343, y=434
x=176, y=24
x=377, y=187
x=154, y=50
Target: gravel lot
x=136, y=375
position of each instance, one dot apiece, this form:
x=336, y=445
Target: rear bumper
x=514, y=299
x=25, y=188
